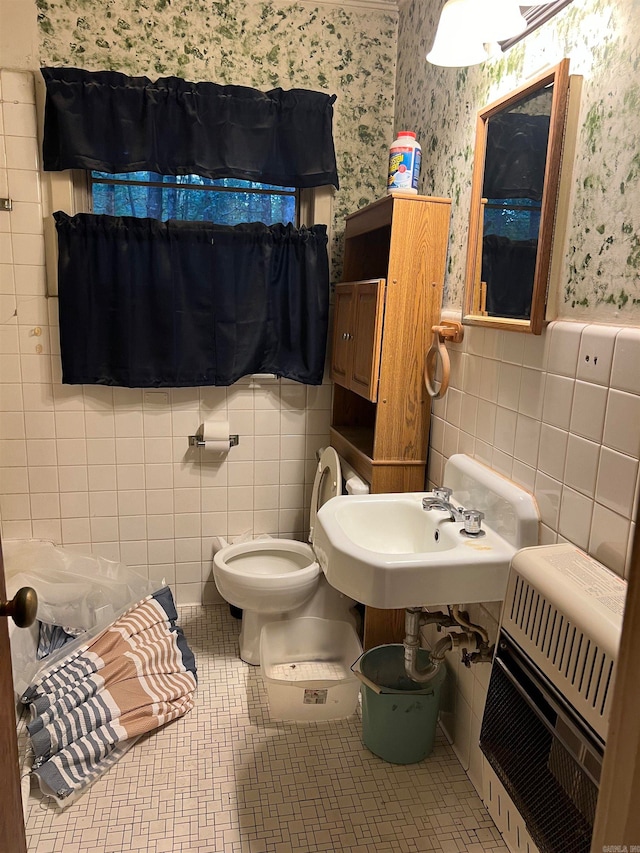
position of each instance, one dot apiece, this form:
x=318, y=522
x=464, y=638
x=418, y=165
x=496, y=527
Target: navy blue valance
x=110, y=122
x=144, y=303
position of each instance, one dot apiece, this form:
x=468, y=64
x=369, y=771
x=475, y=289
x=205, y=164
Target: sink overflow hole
x=437, y=535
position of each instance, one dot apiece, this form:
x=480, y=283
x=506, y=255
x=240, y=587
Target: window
x=71, y=191
x=515, y=218
x=227, y=201
x=299, y=126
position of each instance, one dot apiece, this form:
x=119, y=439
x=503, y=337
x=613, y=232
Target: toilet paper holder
x=197, y=440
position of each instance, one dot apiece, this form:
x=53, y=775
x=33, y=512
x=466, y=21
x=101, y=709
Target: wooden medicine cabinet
x=514, y=200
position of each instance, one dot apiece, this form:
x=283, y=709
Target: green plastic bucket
x=399, y=722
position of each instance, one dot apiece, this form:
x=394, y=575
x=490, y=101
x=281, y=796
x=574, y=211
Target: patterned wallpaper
x=353, y=54
x=601, y=269
x=341, y=51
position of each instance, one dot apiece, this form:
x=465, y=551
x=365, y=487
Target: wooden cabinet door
x=367, y=342
x=342, y=333
x=357, y=335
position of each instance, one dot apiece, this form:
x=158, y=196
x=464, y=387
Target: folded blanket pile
x=90, y=707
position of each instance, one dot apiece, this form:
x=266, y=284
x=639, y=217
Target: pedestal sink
x=386, y=551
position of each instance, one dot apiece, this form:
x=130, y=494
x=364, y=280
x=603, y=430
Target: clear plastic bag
x=74, y=590
x=83, y=592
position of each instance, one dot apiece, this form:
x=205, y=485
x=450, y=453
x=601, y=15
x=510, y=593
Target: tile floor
x=225, y=779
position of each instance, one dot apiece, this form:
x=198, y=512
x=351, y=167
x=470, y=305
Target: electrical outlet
x=596, y=354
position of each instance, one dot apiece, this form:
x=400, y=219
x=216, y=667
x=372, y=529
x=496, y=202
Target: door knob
x=22, y=607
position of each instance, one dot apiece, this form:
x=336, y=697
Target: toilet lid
x=327, y=483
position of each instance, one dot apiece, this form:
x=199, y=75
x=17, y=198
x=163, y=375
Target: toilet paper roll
x=215, y=435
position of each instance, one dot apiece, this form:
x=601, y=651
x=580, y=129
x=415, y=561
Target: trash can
x=399, y=716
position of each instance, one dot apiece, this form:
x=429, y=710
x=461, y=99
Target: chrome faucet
x=471, y=518
x=441, y=501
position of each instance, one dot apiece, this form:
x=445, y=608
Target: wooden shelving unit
x=394, y=266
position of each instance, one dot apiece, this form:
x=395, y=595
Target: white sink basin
x=392, y=524
x=387, y=551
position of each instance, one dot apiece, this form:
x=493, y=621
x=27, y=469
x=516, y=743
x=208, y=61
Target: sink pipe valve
x=473, y=642
x=484, y=651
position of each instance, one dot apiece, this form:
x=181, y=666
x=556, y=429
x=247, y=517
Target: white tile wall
x=567, y=427
x=109, y=469
x=570, y=435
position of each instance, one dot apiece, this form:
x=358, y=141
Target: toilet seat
x=273, y=579
x=272, y=575
x=327, y=484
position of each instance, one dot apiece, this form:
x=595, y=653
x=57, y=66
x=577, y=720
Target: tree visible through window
x=226, y=201
x=515, y=218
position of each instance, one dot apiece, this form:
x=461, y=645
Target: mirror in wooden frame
x=516, y=175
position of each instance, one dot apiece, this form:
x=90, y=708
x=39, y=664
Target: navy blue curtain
x=505, y=261
x=145, y=303
x=110, y=122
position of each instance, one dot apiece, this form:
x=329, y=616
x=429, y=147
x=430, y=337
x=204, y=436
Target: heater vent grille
x=539, y=756
x=545, y=719
x=571, y=660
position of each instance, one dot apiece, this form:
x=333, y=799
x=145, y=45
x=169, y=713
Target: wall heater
x=545, y=720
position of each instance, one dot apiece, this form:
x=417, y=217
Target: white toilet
x=276, y=579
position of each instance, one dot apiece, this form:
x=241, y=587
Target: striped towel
x=90, y=707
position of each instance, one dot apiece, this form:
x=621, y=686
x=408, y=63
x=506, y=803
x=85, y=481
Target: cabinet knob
x=346, y=336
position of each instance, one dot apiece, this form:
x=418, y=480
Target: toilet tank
x=353, y=484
